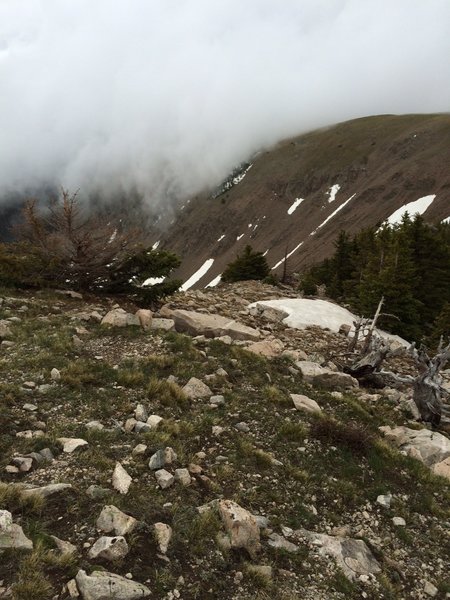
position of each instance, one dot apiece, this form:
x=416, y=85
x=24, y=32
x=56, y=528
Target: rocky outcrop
x=212, y=325
x=352, y=556
x=430, y=447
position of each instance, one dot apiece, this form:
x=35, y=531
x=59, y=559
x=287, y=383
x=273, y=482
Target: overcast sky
x=166, y=96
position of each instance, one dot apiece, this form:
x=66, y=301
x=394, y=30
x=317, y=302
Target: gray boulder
x=113, y=519
x=101, y=585
x=109, y=548
x=212, y=325
x=352, y=556
x=11, y=534
x=118, y=317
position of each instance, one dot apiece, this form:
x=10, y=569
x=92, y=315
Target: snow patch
x=241, y=176
x=153, y=281
x=280, y=262
x=447, y=220
x=295, y=205
x=332, y=192
x=265, y=253
x=304, y=312
x=215, y=281
x=333, y=214
x=240, y=236
x=221, y=238
x=418, y=207
x=198, y=274
x=156, y=244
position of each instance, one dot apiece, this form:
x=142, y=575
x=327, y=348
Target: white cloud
x=165, y=97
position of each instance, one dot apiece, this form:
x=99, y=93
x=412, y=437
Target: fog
x=165, y=97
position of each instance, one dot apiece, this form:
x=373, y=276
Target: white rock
x=71, y=444
x=109, y=548
x=164, y=478
x=384, y=500
x=64, y=547
x=278, y=541
x=183, y=476
x=195, y=389
x=154, y=421
x=55, y=375
x=141, y=413
x=430, y=589
x=120, y=318
x=163, y=534
x=112, y=519
x=121, y=481
x=139, y=449
x=303, y=403
x=101, y=585
x=240, y=525
x=145, y=318
x=399, y=521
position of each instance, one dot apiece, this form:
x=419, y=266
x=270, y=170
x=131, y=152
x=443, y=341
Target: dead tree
x=428, y=392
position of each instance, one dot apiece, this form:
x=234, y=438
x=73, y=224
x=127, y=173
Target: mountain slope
x=349, y=176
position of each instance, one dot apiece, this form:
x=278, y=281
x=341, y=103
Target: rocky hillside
x=296, y=197
x=209, y=452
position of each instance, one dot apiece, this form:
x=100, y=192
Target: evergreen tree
x=249, y=265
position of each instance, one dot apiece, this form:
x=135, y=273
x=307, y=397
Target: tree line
x=407, y=263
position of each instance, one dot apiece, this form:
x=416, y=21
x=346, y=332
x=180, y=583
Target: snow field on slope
x=304, y=312
x=412, y=208
x=295, y=205
x=197, y=275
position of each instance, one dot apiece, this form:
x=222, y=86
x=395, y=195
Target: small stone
x=278, y=541
x=243, y=427
x=47, y=454
x=24, y=464
x=113, y=519
x=430, y=589
x=141, y=427
x=399, y=521
x=217, y=430
x=55, y=375
x=121, y=481
x=154, y=421
x=11, y=469
x=139, y=450
x=72, y=589
x=305, y=404
x=163, y=534
x=164, y=478
x=162, y=458
x=130, y=424
x=141, y=413
x=195, y=469
x=98, y=586
x=95, y=426
x=109, y=548
x=29, y=407
x=196, y=389
x=97, y=492
x=217, y=400
x=71, y=444
x=65, y=548
x=183, y=476
x=384, y=500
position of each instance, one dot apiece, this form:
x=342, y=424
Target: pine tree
x=249, y=265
